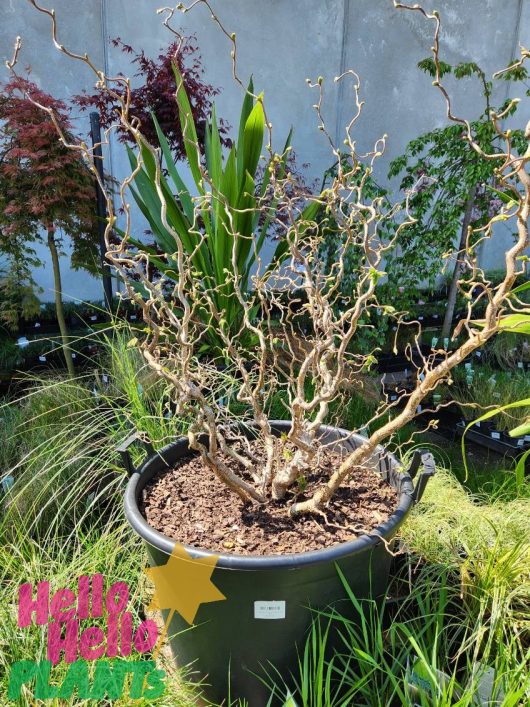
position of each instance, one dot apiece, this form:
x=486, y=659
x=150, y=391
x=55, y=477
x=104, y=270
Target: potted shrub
x=275, y=505
x=253, y=467
x=243, y=470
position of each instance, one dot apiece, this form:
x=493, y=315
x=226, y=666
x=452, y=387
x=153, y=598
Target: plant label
x=269, y=609
x=94, y=318
x=495, y=435
x=485, y=690
x=520, y=364
x=520, y=442
x=133, y=317
x=37, y=325
x=478, y=354
x=42, y=358
x=7, y=483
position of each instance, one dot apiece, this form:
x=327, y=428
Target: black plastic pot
x=230, y=637
x=486, y=435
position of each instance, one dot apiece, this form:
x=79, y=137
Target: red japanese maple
x=46, y=190
x=156, y=94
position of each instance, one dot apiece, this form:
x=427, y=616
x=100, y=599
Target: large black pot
x=230, y=637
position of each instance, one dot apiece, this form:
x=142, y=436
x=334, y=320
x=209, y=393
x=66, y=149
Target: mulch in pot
x=190, y=504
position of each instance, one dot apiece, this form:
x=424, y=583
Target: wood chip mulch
x=190, y=504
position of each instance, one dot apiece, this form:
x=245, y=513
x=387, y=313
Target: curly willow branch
x=297, y=317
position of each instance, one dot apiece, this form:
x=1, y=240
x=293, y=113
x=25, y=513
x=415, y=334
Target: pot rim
x=234, y=561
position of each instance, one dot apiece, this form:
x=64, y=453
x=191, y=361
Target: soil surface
x=190, y=504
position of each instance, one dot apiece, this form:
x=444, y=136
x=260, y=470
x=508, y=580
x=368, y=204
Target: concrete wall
x=283, y=42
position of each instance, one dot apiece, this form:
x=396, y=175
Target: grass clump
x=456, y=619
x=61, y=504
x=466, y=611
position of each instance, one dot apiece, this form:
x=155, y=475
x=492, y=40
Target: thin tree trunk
x=59, y=302
x=453, y=288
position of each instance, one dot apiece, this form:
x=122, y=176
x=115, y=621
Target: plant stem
x=453, y=287
x=59, y=302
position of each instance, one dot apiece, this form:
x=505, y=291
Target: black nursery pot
x=268, y=603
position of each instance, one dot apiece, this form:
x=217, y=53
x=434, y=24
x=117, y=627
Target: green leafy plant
x=236, y=202
x=479, y=388
x=452, y=187
x=17, y=294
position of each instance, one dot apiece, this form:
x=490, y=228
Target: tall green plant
x=227, y=239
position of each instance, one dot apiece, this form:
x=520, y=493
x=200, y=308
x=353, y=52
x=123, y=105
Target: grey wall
x=283, y=42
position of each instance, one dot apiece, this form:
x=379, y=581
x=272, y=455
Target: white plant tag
x=133, y=317
x=520, y=364
x=37, y=325
x=94, y=318
x=486, y=693
x=520, y=442
x=269, y=609
x=105, y=378
x=74, y=355
x=527, y=438
x=495, y=435
x=478, y=354
x=42, y=358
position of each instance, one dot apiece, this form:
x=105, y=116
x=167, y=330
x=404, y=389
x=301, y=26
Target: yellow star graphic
x=182, y=585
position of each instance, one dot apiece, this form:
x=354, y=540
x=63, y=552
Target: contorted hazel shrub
x=299, y=350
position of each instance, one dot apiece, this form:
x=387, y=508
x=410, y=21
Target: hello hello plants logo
x=99, y=657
